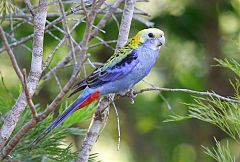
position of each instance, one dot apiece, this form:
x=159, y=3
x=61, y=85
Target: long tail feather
x=77, y=104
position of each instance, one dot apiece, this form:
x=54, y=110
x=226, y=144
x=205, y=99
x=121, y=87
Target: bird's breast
x=146, y=59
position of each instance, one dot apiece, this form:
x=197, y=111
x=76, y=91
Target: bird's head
x=153, y=37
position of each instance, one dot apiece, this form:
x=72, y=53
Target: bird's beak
x=161, y=41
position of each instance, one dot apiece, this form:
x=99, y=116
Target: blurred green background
x=197, y=31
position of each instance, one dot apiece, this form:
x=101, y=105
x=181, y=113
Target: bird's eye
x=150, y=35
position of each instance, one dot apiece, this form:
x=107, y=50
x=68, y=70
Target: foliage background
x=196, y=33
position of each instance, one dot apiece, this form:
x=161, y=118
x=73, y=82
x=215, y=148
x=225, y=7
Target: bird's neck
x=134, y=42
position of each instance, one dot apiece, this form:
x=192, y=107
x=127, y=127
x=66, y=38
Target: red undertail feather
x=90, y=99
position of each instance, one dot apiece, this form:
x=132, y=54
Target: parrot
x=126, y=67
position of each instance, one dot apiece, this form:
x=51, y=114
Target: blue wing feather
x=102, y=75
x=118, y=68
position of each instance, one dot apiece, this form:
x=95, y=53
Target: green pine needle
x=220, y=153
x=230, y=64
x=224, y=115
x=52, y=148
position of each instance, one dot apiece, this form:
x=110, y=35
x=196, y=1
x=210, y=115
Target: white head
x=152, y=37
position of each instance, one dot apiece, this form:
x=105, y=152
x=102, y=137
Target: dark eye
x=150, y=35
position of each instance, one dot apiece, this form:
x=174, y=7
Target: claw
x=131, y=94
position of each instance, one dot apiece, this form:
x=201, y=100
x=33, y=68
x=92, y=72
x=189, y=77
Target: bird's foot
x=131, y=95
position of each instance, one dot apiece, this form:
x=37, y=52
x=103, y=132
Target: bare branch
x=106, y=17
x=14, y=39
x=23, y=40
x=28, y=97
x=58, y=81
x=144, y=21
x=12, y=143
x=209, y=94
x=100, y=25
x=33, y=122
x=50, y=56
x=97, y=124
x=30, y=7
x=76, y=10
x=11, y=56
x=125, y=23
x=85, y=10
x=95, y=128
x=20, y=134
x=102, y=43
x=13, y=115
x=67, y=33
x=118, y=123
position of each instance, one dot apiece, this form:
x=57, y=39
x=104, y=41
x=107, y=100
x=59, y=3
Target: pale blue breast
x=147, y=58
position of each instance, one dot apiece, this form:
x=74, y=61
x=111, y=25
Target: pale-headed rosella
x=129, y=65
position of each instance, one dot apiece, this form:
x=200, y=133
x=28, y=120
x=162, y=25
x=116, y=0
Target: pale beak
x=161, y=41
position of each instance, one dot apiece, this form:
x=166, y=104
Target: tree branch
x=209, y=94
x=14, y=114
x=106, y=17
x=11, y=56
x=33, y=122
x=28, y=97
x=125, y=23
x=100, y=25
x=96, y=126
x=30, y=7
x=67, y=31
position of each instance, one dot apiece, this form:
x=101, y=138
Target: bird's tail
x=79, y=103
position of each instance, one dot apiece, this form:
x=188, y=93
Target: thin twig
x=100, y=25
x=21, y=41
x=144, y=21
x=85, y=10
x=210, y=94
x=106, y=17
x=67, y=33
x=28, y=97
x=58, y=81
x=11, y=56
x=30, y=7
x=118, y=124
x=76, y=11
x=105, y=43
x=102, y=43
x=90, y=62
x=50, y=56
x=14, y=39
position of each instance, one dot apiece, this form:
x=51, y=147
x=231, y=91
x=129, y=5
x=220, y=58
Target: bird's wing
x=116, y=68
